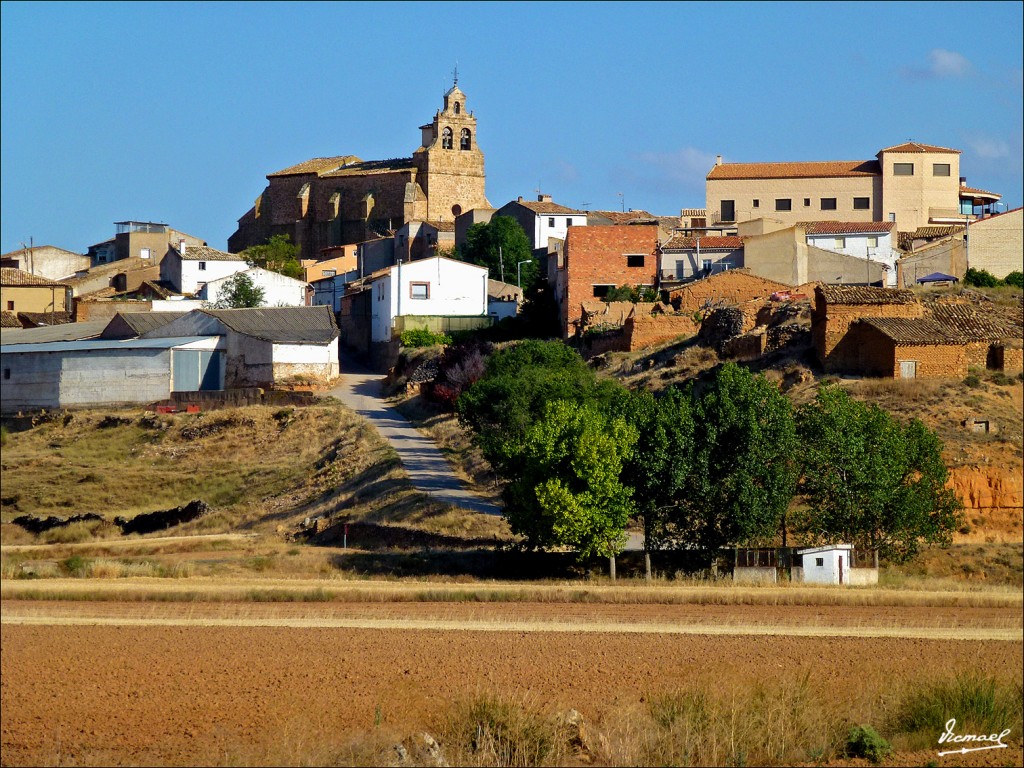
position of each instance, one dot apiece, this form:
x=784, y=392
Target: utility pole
x=501, y=263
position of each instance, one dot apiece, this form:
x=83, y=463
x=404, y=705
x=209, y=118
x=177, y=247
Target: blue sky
x=176, y=112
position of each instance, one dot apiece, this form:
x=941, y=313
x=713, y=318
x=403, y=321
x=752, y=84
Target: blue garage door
x=197, y=370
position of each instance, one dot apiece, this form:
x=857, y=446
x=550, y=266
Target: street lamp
x=519, y=281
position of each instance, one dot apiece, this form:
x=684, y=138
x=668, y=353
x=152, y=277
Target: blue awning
x=937, y=277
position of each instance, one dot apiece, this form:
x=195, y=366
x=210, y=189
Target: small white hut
x=832, y=564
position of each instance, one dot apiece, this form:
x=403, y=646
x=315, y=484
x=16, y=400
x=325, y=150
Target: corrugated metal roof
x=294, y=325
x=143, y=322
x=91, y=345
x=66, y=332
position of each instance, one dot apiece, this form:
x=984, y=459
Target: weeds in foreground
x=491, y=730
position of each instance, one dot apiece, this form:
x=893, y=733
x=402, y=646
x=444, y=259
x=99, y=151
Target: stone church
x=341, y=200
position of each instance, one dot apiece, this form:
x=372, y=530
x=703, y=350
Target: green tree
x=509, y=398
x=567, y=489
x=743, y=475
x=981, y=278
x=1015, y=278
x=278, y=254
x=238, y=292
x=870, y=481
x=660, y=467
x=500, y=245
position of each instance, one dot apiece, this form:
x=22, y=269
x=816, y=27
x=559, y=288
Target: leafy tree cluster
x=278, y=254
x=240, y=292
x=980, y=278
x=633, y=293
x=702, y=467
x=501, y=245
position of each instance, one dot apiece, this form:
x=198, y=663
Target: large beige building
x=341, y=200
x=914, y=185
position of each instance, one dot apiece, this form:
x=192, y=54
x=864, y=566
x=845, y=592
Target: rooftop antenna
x=584, y=206
x=455, y=73
x=622, y=201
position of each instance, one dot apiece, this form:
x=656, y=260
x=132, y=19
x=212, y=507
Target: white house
x=833, y=564
x=435, y=287
x=542, y=220
x=685, y=257
x=188, y=268
x=862, y=239
x=278, y=290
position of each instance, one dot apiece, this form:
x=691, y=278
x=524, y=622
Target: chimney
x=718, y=160
x=543, y=198
x=963, y=181
x=181, y=247
x=520, y=199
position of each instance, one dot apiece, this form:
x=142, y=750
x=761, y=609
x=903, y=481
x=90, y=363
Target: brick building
x=733, y=287
x=906, y=348
x=596, y=259
x=339, y=200
x=837, y=307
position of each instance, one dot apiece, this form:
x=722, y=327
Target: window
x=902, y=169
x=784, y=204
x=807, y=203
x=861, y=203
x=757, y=203
x=872, y=242
x=819, y=562
x=568, y=222
x=456, y=210
x=840, y=242
x=634, y=259
x=728, y=210
x=10, y=306
x=144, y=253
x=705, y=264
x=419, y=290
x=551, y=221
x=892, y=216
x=465, y=142
x=600, y=291
x=446, y=138
x=828, y=203
x=940, y=169
x=7, y=373
x=330, y=272
x=202, y=266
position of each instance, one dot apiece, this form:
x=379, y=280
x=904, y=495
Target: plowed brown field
x=159, y=684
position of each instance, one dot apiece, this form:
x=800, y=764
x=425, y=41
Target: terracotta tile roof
x=859, y=294
x=971, y=322
x=688, y=243
x=845, y=227
x=442, y=226
x=904, y=330
x=623, y=217
x=16, y=277
x=541, y=207
x=9, y=320
x=206, y=253
x=976, y=191
x=906, y=239
x=317, y=165
x=913, y=146
x=826, y=169
x=369, y=166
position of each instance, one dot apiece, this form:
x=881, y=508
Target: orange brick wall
x=646, y=331
x=829, y=326
x=732, y=287
x=597, y=256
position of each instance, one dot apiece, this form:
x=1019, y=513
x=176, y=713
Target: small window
x=568, y=222
x=807, y=203
x=892, y=216
x=819, y=562
x=551, y=221
x=757, y=203
x=419, y=290
x=861, y=203
x=784, y=204
x=872, y=242
x=600, y=291
x=202, y=266
x=828, y=203
x=7, y=373
x=705, y=264
x=940, y=169
x=10, y=306
x=902, y=169
x=456, y=210
x=145, y=253
x=330, y=272
x=634, y=260
x=840, y=242
x=728, y=210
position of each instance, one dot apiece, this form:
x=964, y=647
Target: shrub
x=972, y=381
x=504, y=731
x=421, y=337
x=1016, y=279
x=980, y=278
x=865, y=742
x=979, y=704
